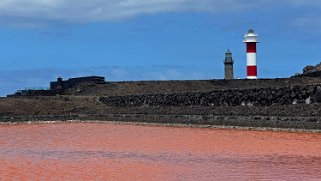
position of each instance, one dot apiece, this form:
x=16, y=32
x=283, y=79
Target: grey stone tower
x=228, y=65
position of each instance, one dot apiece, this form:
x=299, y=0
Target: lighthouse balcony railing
x=250, y=39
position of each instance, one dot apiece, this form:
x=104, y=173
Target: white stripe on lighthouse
x=251, y=59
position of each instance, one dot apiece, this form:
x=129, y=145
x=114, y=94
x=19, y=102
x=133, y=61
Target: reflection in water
x=100, y=151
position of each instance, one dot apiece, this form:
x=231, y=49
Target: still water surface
x=105, y=151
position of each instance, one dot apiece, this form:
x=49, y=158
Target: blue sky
x=152, y=39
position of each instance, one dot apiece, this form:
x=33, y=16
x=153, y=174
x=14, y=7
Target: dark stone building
x=228, y=65
x=58, y=87
x=66, y=84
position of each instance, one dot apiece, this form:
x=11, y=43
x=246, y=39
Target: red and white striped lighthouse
x=251, y=40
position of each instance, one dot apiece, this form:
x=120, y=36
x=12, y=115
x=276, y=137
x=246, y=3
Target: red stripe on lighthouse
x=251, y=47
x=251, y=70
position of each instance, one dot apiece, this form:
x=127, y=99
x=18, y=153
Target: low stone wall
x=295, y=94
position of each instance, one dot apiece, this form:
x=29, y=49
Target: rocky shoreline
x=293, y=103
x=307, y=124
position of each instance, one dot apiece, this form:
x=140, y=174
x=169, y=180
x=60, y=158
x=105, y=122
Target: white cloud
x=41, y=11
x=307, y=24
x=38, y=12
x=93, y=10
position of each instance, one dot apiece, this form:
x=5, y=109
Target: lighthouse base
x=251, y=77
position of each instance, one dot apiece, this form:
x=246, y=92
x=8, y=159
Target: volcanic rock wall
x=296, y=94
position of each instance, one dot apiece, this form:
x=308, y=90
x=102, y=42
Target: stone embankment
x=310, y=124
x=295, y=94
